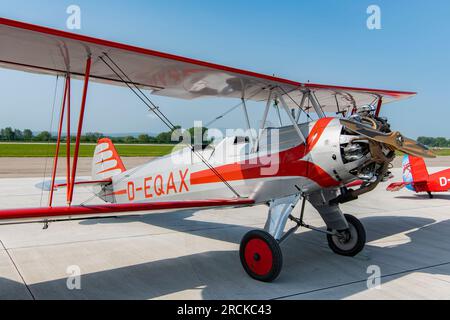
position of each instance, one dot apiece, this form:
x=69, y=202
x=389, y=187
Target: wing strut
x=379, y=104
x=68, y=137
x=264, y=120
x=80, y=128
x=247, y=119
x=291, y=117
x=58, y=142
x=300, y=106
x=316, y=104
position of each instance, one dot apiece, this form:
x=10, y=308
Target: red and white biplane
x=314, y=160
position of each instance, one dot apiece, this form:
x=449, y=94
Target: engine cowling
x=349, y=157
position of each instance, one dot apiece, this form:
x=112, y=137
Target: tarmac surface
x=42, y=167
x=194, y=254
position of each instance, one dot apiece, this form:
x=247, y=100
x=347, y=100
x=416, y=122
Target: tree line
x=15, y=135
x=439, y=142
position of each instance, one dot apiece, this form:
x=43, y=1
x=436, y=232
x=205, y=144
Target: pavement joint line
x=131, y=237
x=18, y=271
x=361, y=281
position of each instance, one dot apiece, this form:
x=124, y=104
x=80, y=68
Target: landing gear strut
x=260, y=250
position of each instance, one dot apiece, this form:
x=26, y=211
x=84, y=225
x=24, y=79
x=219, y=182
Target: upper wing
x=39, y=49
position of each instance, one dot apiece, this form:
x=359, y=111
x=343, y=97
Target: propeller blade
x=394, y=139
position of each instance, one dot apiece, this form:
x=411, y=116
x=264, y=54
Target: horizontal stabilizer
x=397, y=186
x=47, y=185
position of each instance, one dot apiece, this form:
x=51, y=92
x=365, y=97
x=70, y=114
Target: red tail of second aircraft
x=415, y=173
x=416, y=177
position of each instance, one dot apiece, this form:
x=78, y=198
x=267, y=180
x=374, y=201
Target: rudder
x=414, y=170
x=106, y=162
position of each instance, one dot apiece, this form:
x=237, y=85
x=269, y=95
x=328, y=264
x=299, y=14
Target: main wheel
x=349, y=242
x=261, y=256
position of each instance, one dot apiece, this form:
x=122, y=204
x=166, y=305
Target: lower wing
x=14, y=216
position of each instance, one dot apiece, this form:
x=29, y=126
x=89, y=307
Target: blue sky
x=321, y=41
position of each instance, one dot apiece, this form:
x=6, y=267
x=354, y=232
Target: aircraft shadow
x=12, y=290
x=309, y=265
x=177, y=221
x=424, y=253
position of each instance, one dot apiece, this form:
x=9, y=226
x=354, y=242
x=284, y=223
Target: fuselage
x=282, y=165
x=437, y=182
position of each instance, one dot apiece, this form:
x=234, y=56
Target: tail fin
x=106, y=162
x=414, y=169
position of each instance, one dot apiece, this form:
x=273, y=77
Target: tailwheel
x=261, y=256
x=349, y=242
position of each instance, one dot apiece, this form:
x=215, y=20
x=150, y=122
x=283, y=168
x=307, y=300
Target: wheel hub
x=346, y=239
x=344, y=236
x=258, y=257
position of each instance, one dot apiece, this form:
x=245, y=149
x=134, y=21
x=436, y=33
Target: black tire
x=261, y=256
x=351, y=246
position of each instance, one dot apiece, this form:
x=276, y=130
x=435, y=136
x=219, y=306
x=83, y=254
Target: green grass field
x=442, y=152
x=86, y=150
x=438, y=152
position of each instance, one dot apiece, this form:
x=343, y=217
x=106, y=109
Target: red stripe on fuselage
x=289, y=164
x=316, y=133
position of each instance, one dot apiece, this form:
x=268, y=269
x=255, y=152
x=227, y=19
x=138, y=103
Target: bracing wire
x=295, y=102
x=233, y=108
x=152, y=107
x=48, y=141
x=206, y=125
x=223, y=115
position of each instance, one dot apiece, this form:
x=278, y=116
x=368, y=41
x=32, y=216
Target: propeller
x=394, y=139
